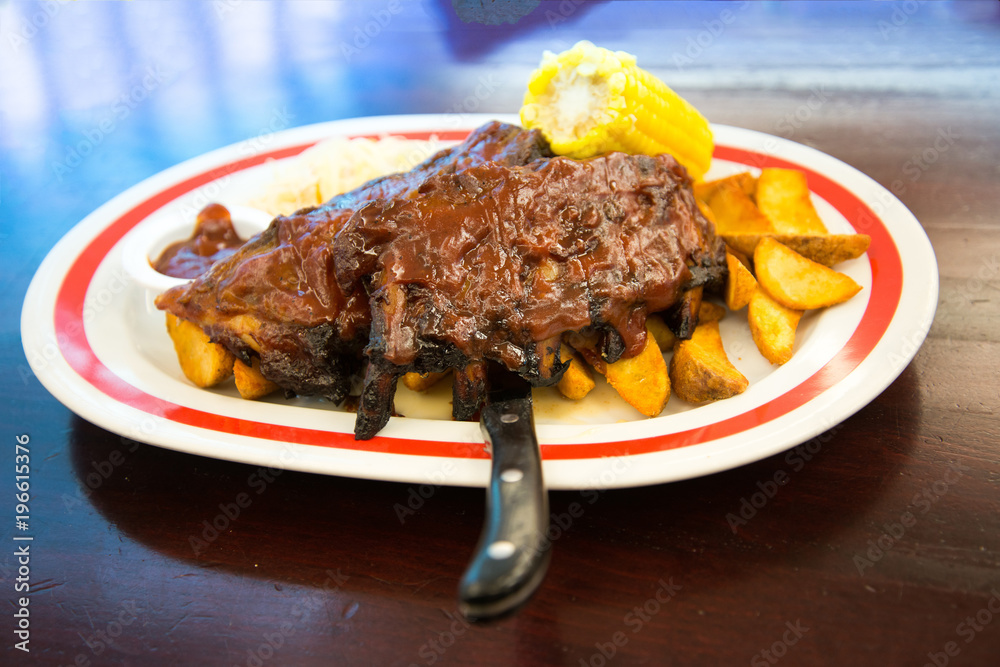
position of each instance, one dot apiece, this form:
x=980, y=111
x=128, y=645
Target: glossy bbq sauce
x=214, y=239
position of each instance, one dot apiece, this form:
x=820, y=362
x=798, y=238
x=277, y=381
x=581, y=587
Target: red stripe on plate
x=70, y=315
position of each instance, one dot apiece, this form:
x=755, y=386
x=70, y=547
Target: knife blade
x=512, y=555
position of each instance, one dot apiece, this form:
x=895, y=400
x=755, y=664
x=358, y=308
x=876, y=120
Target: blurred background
x=95, y=97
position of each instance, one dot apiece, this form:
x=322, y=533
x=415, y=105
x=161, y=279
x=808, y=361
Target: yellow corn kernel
x=589, y=100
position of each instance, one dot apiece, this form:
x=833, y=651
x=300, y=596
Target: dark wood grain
x=320, y=570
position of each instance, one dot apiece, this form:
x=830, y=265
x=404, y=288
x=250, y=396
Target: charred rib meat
x=496, y=262
x=487, y=252
x=277, y=296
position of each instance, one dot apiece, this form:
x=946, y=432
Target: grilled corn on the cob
x=589, y=100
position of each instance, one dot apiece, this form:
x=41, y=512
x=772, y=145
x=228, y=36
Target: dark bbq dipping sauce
x=214, y=239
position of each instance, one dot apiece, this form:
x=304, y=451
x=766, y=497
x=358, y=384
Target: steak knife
x=512, y=555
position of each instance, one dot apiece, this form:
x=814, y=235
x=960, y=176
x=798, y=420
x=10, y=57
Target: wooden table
x=882, y=549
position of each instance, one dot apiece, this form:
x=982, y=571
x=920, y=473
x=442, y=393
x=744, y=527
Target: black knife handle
x=513, y=551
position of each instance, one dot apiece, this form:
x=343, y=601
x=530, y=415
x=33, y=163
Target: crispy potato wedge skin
x=741, y=284
x=783, y=196
x=205, y=363
x=828, y=249
x=250, y=382
x=797, y=282
x=642, y=380
x=421, y=381
x=772, y=326
x=735, y=212
x=577, y=380
x=700, y=371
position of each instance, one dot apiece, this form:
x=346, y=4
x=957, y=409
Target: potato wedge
x=783, y=196
x=585, y=345
x=665, y=338
x=828, y=249
x=700, y=371
x=421, y=381
x=736, y=213
x=250, y=382
x=744, y=181
x=710, y=312
x=772, y=326
x=740, y=285
x=797, y=282
x=706, y=211
x=205, y=363
x=577, y=380
x=642, y=380
x=742, y=256
x=659, y=330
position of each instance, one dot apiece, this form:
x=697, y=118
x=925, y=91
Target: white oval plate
x=94, y=340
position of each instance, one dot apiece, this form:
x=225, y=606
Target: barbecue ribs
x=496, y=262
x=487, y=252
x=277, y=297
